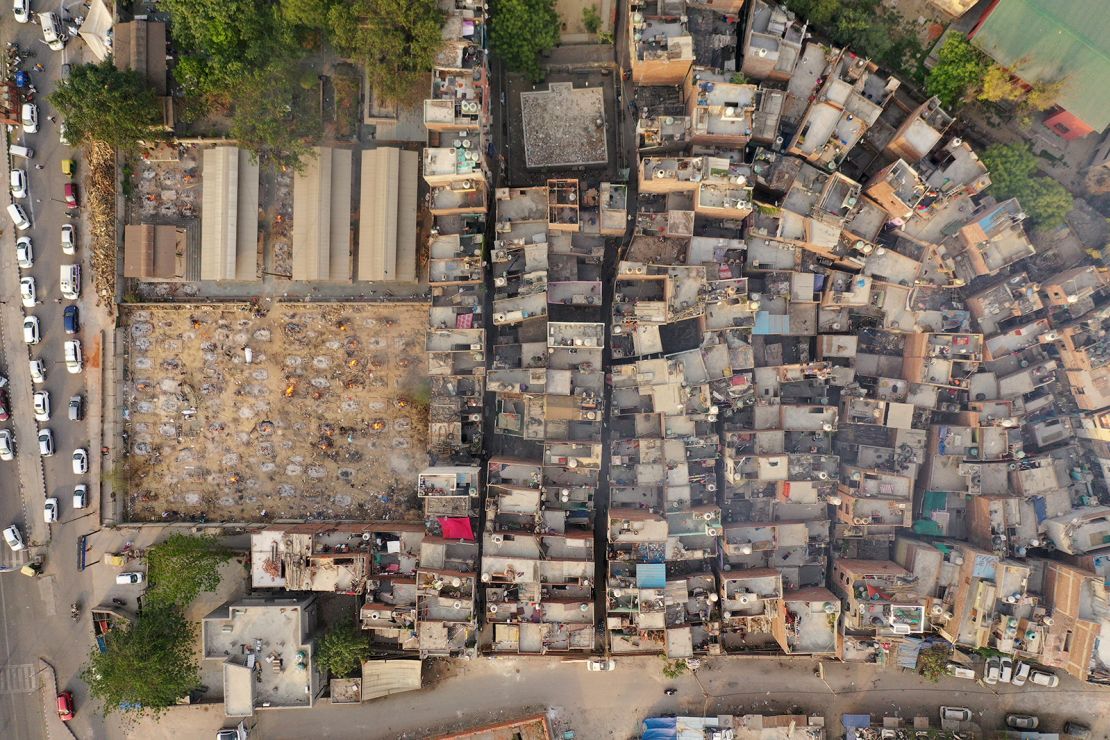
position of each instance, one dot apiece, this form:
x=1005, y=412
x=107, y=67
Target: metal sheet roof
x=1048, y=40
x=387, y=215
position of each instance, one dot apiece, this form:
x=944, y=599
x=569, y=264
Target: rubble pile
x=102, y=220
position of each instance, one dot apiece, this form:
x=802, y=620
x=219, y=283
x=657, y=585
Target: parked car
x=80, y=496
x=19, y=184
x=41, y=403
x=1007, y=670
x=1076, y=729
x=955, y=714
x=601, y=664
x=1021, y=673
x=3, y=405
x=65, y=706
x=38, y=370
x=24, y=253
x=50, y=510
x=1022, y=721
x=30, y=118
x=958, y=671
x=14, y=538
x=31, y=333
x=18, y=216
x=76, y=408
x=80, y=461
x=992, y=671
x=27, y=292
x=46, y=443
x=7, y=445
x=71, y=349
x=69, y=239
x=71, y=194
x=71, y=319
x=68, y=167
x=1044, y=678
x=128, y=578
x=22, y=10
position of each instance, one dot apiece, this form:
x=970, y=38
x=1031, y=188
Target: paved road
x=34, y=612
x=612, y=705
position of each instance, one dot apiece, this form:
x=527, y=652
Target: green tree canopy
x=182, y=566
x=341, y=650
x=221, y=41
x=102, y=103
x=148, y=666
x=394, y=39
x=522, y=30
x=959, y=71
x=274, y=117
x=1011, y=169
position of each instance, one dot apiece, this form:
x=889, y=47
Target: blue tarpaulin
x=1039, y=508
x=659, y=728
x=651, y=575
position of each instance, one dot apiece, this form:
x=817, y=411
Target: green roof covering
x=1048, y=40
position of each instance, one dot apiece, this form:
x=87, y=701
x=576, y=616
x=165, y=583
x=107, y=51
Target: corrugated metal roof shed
x=387, y=215
x=322, y=216
x=1049, y=40
x=385, y=677
x=229, y=215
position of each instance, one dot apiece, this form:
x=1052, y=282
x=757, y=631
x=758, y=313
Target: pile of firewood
x=102, y=221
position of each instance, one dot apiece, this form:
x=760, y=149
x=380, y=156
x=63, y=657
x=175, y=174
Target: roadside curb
x=55, y=727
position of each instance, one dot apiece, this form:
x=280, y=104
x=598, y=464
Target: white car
x=1007, y=670
x=30, y=118
x=601, y=664
x=24, y=253
x=38, y=371
x=50, y=510
x=992, y=671
x=22, y=11
x=27, y=292
x=19, y=184
x=80, y=496
x=46, y=443
x=31, y=333
x=71, y=348
x=955, y=714
x=1021, y=673
x=957, y=671
x=69, y=239
x=80, y=461
x=14, y=538
x=41, y=403
x=1044, y=678
x=7, y=445
x=128, y=578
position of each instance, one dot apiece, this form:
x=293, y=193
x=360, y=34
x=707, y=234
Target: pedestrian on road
x=57, y=300
x=39, y=67
x=39, y=167
x=52, y=119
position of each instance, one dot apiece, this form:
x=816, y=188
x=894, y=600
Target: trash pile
x=101, y=189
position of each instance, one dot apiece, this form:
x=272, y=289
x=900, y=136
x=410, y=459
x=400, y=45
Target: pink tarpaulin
x=456, y=528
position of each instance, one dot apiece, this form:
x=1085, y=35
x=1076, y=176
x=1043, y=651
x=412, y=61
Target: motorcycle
x=670, y=692
x=118, y=602
x=75, y=611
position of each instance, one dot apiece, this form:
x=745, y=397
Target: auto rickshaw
x=68, y=167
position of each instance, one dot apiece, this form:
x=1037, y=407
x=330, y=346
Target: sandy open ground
x=328, y=419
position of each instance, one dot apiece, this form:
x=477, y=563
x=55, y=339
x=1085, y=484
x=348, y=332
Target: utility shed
x=154, y=252
x=141, y=46
x=322, y=217
x=387, y=215
x=229, y=215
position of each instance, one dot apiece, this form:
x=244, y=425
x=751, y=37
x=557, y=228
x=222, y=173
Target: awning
x=97, y=30
x=457, y=528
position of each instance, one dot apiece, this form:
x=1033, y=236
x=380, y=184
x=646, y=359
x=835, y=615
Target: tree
x=932, y=663
x=521, y=31
x=591, y=20
x=307, y=13
x=182, y=566
x=274, y=118
x=674, y=668
x=222, y=41
x=1043, y=95
x=395, y=40
x=102, y=103
x=341, y=650
x=958, y=73
x=999, y=86
x=147, y=666
x=1011, y=168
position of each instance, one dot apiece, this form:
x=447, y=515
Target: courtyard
x=302, y=411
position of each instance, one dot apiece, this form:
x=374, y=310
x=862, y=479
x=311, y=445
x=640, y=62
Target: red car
x=65, y=706
x=71, y=195
x=3, y=405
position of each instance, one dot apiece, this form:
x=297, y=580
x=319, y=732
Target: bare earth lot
x=328, y=420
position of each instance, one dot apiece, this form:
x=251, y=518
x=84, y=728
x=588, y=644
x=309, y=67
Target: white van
x=70, y=279
x=21, y=151
x=18, y=217
x=74, y=361
x=52, y=32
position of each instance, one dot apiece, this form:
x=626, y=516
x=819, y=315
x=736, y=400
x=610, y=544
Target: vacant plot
x=328, y=419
